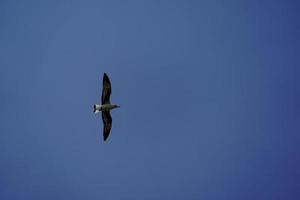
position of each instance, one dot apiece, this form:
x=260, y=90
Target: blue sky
x=209, y=95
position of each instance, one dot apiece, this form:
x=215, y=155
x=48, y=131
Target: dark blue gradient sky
x=209, y=95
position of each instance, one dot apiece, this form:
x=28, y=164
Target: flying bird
x=105, y=106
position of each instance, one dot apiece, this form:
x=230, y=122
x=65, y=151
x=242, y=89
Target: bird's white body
x=104, y=107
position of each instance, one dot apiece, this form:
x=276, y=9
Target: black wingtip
x=105, y=138
x=105, y=78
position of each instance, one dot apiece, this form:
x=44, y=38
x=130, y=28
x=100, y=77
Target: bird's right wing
x=106, y=91
x=107, y=122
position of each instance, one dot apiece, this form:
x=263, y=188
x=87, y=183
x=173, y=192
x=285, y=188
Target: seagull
x=105, y=106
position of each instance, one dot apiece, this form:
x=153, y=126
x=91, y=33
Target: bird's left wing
x=106, y=90
x=107, y=122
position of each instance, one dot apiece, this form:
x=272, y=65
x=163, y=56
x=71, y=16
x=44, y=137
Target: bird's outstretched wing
x=107, y=121
x=106, y=91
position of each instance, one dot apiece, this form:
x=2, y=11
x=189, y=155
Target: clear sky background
x=209, y=95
